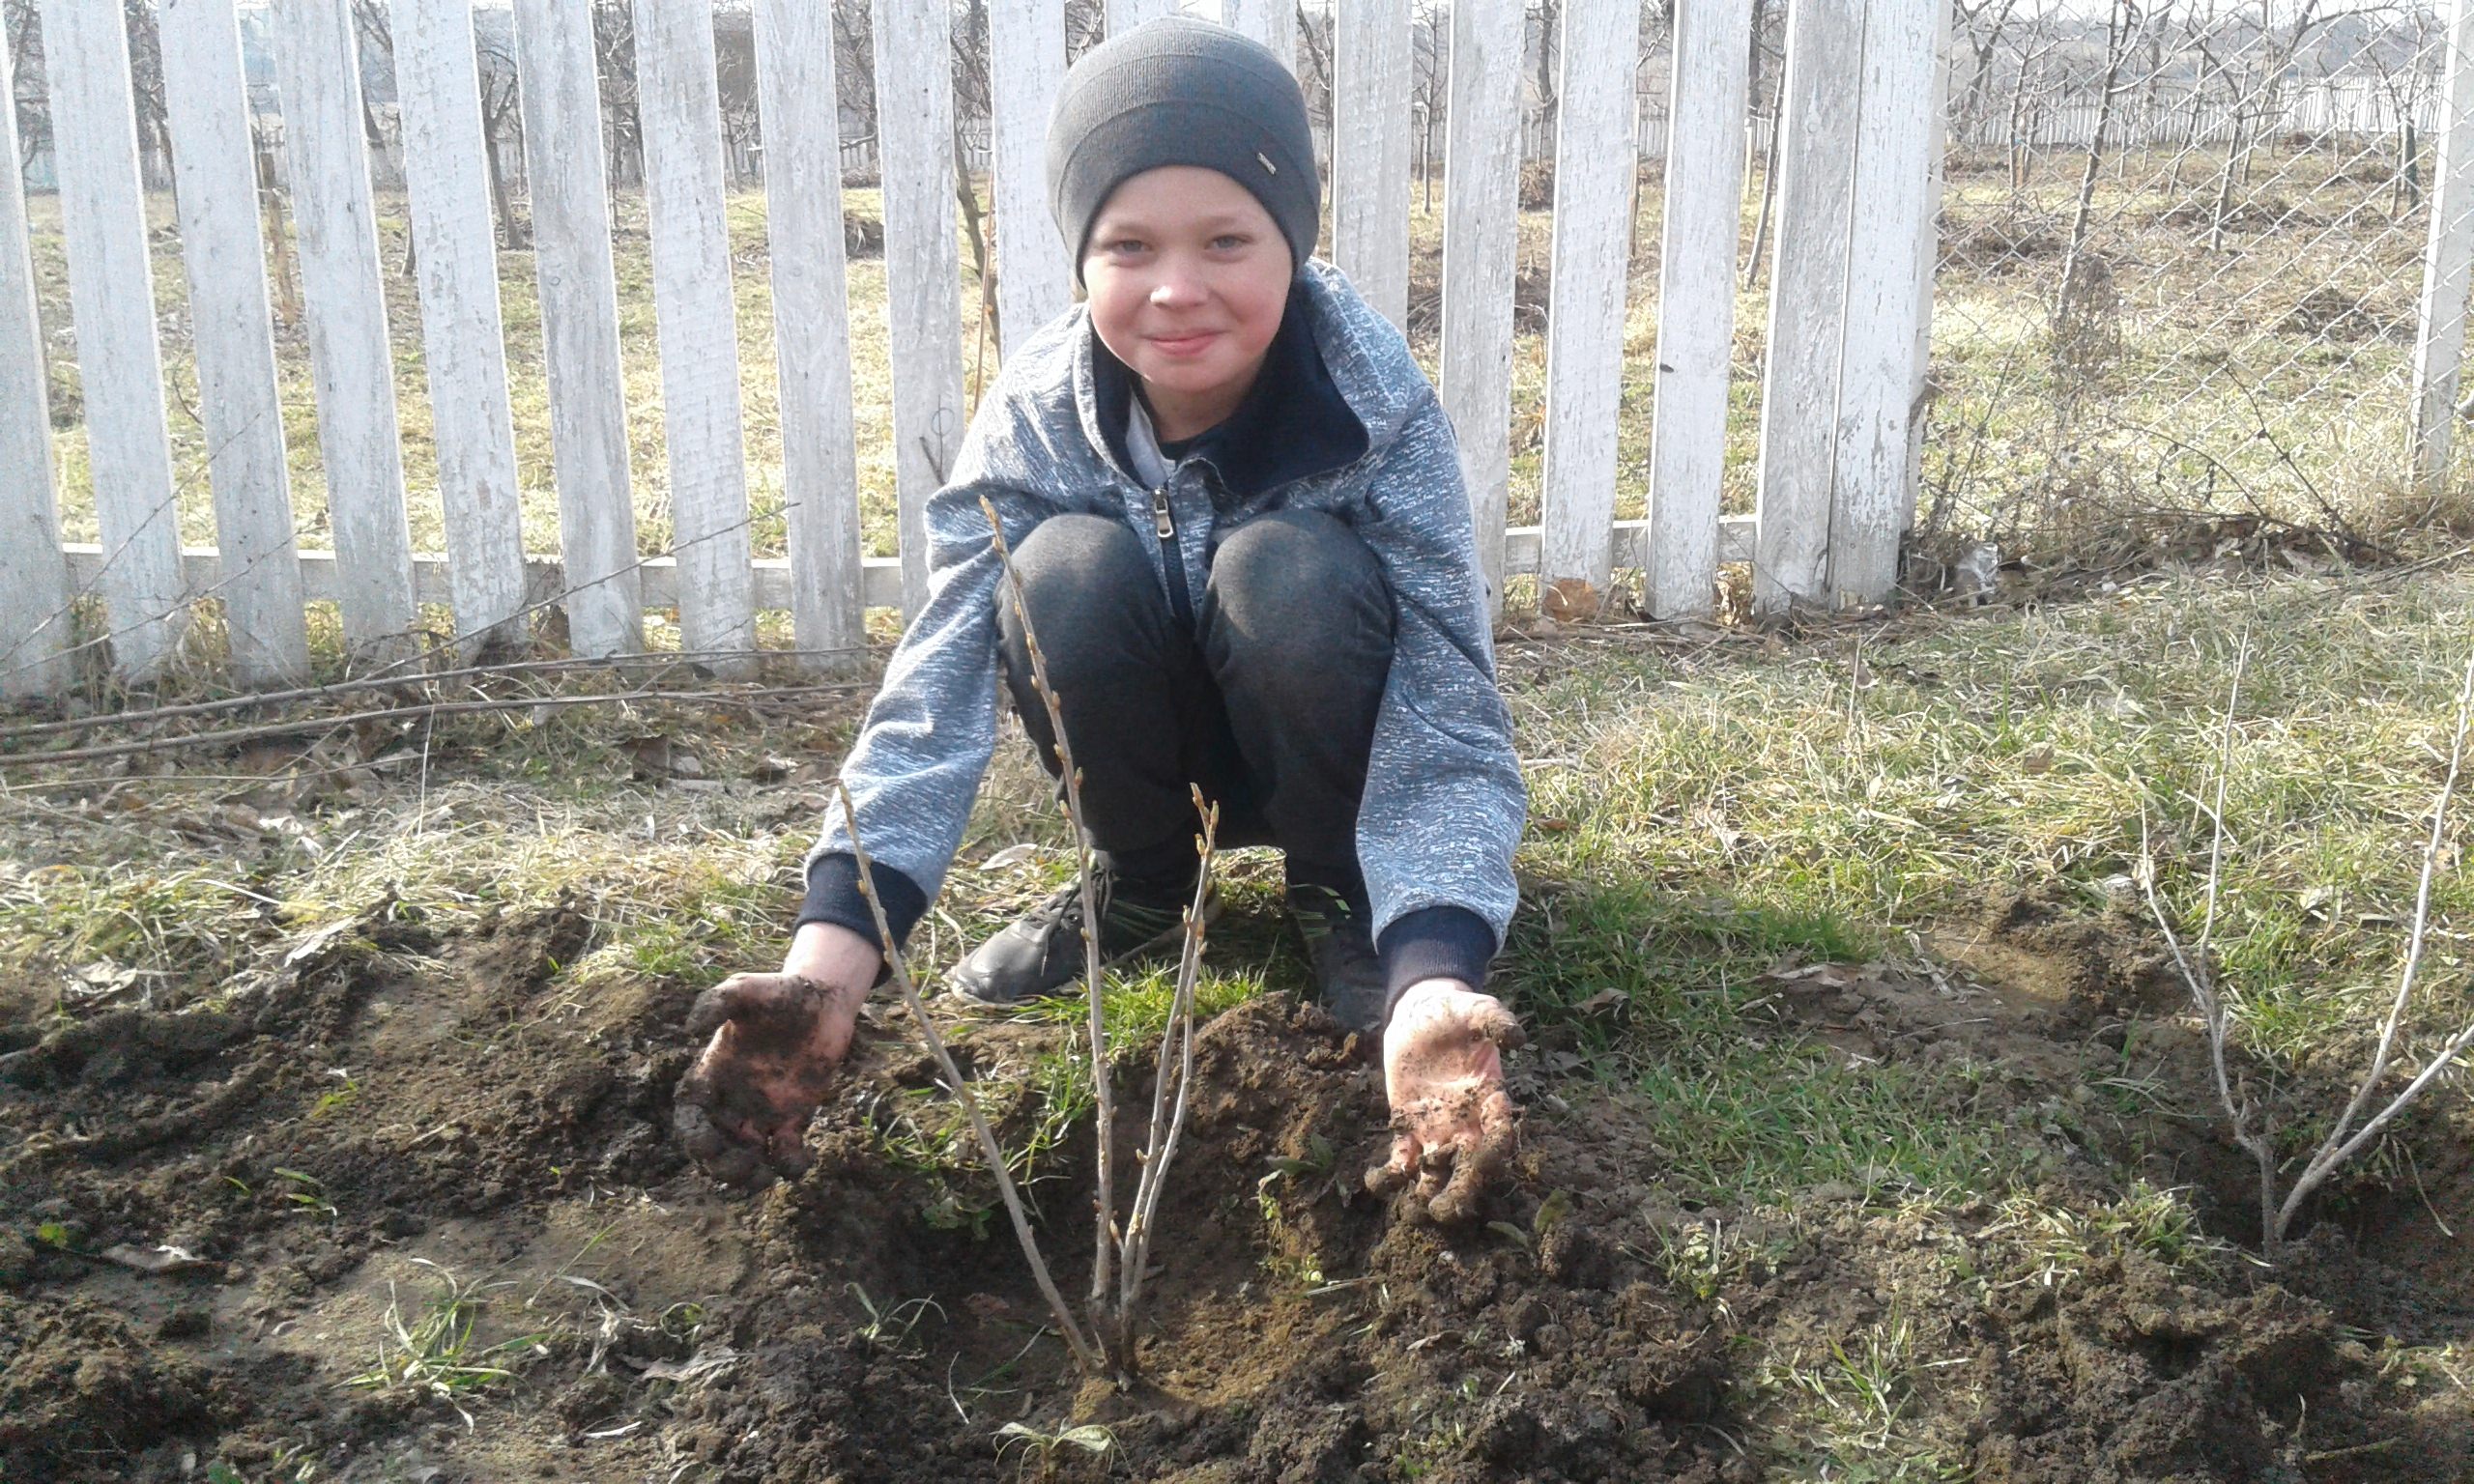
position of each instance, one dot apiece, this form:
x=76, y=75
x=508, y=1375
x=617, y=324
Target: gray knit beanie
x=1179, y=91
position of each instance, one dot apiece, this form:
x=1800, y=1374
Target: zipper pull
x=1162, y=521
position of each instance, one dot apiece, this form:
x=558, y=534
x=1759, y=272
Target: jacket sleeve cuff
x=834, y=897
x=1438, y=942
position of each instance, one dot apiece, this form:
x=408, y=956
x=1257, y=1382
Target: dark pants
x=1269, y=704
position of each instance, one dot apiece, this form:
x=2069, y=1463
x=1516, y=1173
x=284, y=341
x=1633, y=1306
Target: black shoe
x=1349, y=974
x=1041, y=952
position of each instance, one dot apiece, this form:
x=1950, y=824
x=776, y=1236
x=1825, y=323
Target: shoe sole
x=956, y=989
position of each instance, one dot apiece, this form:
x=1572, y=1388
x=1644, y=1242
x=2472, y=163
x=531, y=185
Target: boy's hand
x=777, y=1041
x=1443, y=1070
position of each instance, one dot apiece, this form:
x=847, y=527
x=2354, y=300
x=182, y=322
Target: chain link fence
x=2181, y=251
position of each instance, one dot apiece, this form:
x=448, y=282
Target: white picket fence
x=1859, y=161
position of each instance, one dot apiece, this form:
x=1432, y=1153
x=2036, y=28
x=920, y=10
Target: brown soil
x=388, y=1100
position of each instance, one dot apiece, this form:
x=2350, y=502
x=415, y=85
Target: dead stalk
x=1104, y=1242
x=2338, y=1146
x=1160, y=1146
x=2343, y=1140
x=989, y=1149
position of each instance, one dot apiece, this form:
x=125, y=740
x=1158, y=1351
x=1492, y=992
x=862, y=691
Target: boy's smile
x=1188, y=277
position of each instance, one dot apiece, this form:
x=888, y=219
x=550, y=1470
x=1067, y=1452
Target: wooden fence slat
x=111, y=295
x=1697, y=304
x=1274, y=23
x=206, y=104
x=1371, y=152
x=1870, y=498
x=1594, y=166
x=463, y=339
x=923, y=266
x=1126, y=15
x=1034, y=276
x=1480, y=247
x=1807, y=303
x=318, y=68
x=695, y=320
x=34, y=581
x=811, y=318
x=1928, y=258
x=579, y=324
x=2448, y=259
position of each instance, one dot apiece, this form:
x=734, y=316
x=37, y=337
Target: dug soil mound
x=401, y=1206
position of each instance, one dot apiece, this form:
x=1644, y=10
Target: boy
x=1238, y=516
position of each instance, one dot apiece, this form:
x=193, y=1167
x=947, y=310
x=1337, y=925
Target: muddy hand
x=742, y=1109
x=1453, y=1127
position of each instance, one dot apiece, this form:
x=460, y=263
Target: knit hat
x=1177, y=91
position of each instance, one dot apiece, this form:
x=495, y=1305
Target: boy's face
x=1187, y=276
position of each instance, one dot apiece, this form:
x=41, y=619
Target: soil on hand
x=232, y=1235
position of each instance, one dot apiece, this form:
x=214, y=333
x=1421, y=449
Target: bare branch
x=1161, y=1147
x=989, y=1147
x=1106, y=1237
x=2337, y=1148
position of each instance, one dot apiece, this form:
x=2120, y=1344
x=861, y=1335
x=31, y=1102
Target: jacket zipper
x=1172, y=557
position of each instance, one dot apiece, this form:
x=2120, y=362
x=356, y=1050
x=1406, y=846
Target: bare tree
x=734, y=79
x=1980, y=27
x=146, y=79
x=2249, y=1119
x=501, y=130
x=1086, y=26
x=1547, y=18
x=854, y=66
x=1430, y=81
x=614, y=54
x=24, y=25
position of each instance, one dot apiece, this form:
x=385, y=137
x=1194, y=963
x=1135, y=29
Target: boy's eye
x=1228, y=241
x=1126, y=244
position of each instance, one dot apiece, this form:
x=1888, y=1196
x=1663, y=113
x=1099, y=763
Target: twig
x=652, y=660
x=989, y=1147
x=2342, y=1140
x=2337, y=1148
x=1107, y=1237
x=2194, y=966
x=1161, y=1147
x=432, y=709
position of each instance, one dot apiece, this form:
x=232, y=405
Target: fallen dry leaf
x=1569, y=600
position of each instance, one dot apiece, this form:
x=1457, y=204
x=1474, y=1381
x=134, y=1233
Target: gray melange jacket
x=1444, y=801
